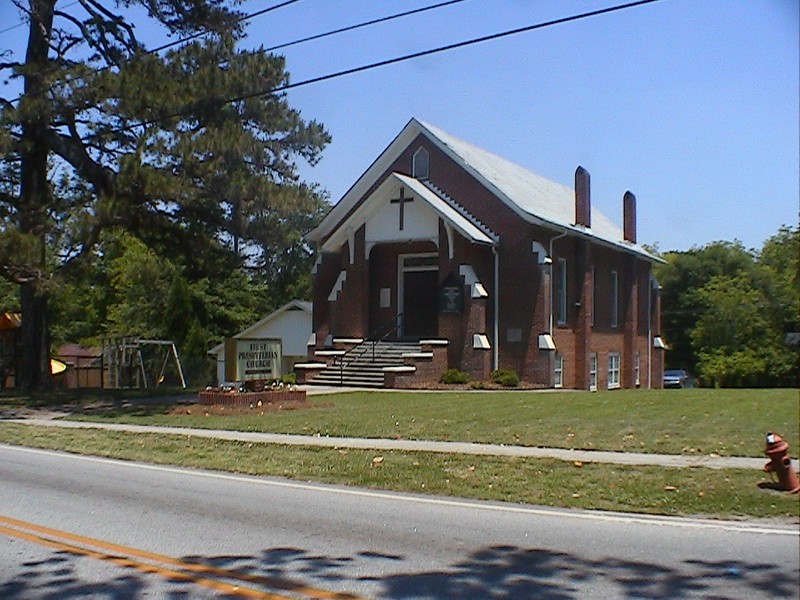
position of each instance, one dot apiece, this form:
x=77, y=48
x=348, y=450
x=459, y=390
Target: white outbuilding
x=291, y=324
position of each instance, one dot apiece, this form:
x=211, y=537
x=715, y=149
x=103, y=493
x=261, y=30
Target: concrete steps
x=363, y=365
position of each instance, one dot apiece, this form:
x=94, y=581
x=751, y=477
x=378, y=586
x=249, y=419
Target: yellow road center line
x=121, y=557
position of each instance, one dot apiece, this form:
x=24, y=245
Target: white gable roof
x=301, y=305
x=534, y=198
x=438, y=207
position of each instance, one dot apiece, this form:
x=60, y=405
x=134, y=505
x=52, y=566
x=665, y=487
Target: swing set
x=132, y=362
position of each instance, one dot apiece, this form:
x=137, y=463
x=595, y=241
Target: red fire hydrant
x=780, y=463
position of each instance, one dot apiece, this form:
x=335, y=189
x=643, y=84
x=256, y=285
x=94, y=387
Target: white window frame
x=558, y=371
x=416, y=171
x=593, y=372
x=614, y=299
x=561, y=292
x=592, y=303
x=614, y=370
x=637, y=369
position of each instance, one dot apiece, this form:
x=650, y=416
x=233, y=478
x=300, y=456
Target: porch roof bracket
x=449, y=230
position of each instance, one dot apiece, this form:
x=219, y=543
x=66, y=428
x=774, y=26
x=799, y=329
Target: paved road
x=161, y=532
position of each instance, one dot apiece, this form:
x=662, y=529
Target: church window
x=420, y=167
x=561, y=291
x=614, y=299
x=592, y=305
x=614, y=367
x=593, y=371
x=558, y=374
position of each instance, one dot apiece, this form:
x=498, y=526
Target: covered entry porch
x=406, y=266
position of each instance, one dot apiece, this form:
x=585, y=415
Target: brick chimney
x=629, y=217
x=583, y=200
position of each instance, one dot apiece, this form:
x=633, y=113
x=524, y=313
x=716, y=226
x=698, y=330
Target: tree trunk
x=34, y=368
x=34, y=196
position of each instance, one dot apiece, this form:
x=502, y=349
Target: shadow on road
x=493, y=572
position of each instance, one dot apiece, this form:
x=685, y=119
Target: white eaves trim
x=371, y=205
x=534, y=198
x=450, y=215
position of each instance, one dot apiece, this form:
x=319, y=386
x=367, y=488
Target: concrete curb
x=584, y=456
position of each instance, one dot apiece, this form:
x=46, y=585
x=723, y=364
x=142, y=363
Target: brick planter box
x=251, y=398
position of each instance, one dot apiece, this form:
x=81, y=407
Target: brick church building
x=482, y=265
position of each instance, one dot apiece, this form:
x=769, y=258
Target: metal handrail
x=372, y=338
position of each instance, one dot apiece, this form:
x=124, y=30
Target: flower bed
x=251, y=398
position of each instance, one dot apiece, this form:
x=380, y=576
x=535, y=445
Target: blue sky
x=691, y=104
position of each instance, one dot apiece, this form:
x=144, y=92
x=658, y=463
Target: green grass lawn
x=730, y=493
x=693, y=421
x=725, y=422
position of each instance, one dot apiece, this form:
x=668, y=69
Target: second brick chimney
x=629, y=217
x=583, y=200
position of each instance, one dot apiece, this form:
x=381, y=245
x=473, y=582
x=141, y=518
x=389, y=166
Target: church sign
x=252, y=359
x=451, y=296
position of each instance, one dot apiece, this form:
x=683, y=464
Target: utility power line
x=363, y=24
x=258, y=13
x=22, y=21
x=179, y=41
x=406, y=57
x=246, y=17
x=446, y=48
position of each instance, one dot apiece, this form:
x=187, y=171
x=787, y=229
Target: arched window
x=420, y=164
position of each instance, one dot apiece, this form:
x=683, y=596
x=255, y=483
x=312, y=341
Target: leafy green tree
x=9, y=297
x=681, y=278
x=780, y=259
x=149, y=296
x=139, y=282
x=178, y=149
x=734, y=338
x=726, y=311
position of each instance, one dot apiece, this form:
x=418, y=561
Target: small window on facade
x=558, y=378
x=420, y=167
x=593, y=372
x=638, y=366
x=614, y=299
x=561, y=291
x=614, y=364
x=592, y=302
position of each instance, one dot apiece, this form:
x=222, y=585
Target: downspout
x=550, y=254
x=495, y=333
x=650, y=329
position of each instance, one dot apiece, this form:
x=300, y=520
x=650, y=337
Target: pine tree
x=177, y=148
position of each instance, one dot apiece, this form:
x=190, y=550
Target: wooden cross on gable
x=401, y=201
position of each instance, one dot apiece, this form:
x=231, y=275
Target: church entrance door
x=419, y=282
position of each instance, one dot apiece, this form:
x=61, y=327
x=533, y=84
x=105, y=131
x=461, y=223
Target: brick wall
x=524, y=291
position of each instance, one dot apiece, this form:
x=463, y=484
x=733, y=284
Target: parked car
x=676, y=378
